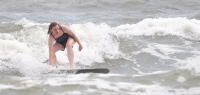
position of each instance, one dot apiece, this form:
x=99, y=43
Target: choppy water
x=150, y=46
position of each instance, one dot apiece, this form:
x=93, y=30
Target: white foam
x=3, y=86
x=168, y=49
x=11, y=47
x=181, y=79
x=27, y=23
x=152, y=49
x=72, y=93
x=28, y=65
x=189, y=91
x=5, y=36
x=100, y=85
x=188, y=28
x=192, y=64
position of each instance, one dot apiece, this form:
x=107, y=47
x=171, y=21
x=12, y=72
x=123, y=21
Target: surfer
x=61, y=37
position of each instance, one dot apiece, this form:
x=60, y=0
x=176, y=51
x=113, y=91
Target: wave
x=182, y=27
x=30, y=42
x=100, y=41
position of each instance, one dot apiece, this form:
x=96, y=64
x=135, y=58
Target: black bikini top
x=63, y=38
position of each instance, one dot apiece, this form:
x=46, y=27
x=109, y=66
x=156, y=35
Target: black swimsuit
x=63, y=39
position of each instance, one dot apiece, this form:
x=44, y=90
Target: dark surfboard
x=79, y=71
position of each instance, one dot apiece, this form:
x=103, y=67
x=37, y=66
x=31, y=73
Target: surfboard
x=79, y=71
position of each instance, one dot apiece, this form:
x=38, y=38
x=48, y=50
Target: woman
x=63, y=37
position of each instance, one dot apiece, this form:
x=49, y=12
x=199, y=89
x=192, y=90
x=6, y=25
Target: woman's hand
x=80, y=47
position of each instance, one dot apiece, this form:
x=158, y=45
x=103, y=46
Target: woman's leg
x=53, y=59
x=70, y=52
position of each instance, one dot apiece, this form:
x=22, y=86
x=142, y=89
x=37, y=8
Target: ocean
x=151, y=47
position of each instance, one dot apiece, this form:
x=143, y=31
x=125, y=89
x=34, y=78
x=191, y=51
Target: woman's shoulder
x=65, y=28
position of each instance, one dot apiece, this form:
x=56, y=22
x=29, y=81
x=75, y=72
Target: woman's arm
x=70, y=32
x=50, y=42
x=52, y=60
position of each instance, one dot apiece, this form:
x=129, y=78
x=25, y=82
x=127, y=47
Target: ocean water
x=151, y=47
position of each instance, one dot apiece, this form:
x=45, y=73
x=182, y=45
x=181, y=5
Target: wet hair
x=53, y=24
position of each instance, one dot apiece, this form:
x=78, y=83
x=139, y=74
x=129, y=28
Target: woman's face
x=55, y=30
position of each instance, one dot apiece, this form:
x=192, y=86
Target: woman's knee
x=70, y=43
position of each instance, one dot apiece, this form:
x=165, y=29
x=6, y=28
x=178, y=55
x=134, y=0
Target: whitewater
x=150, y=47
